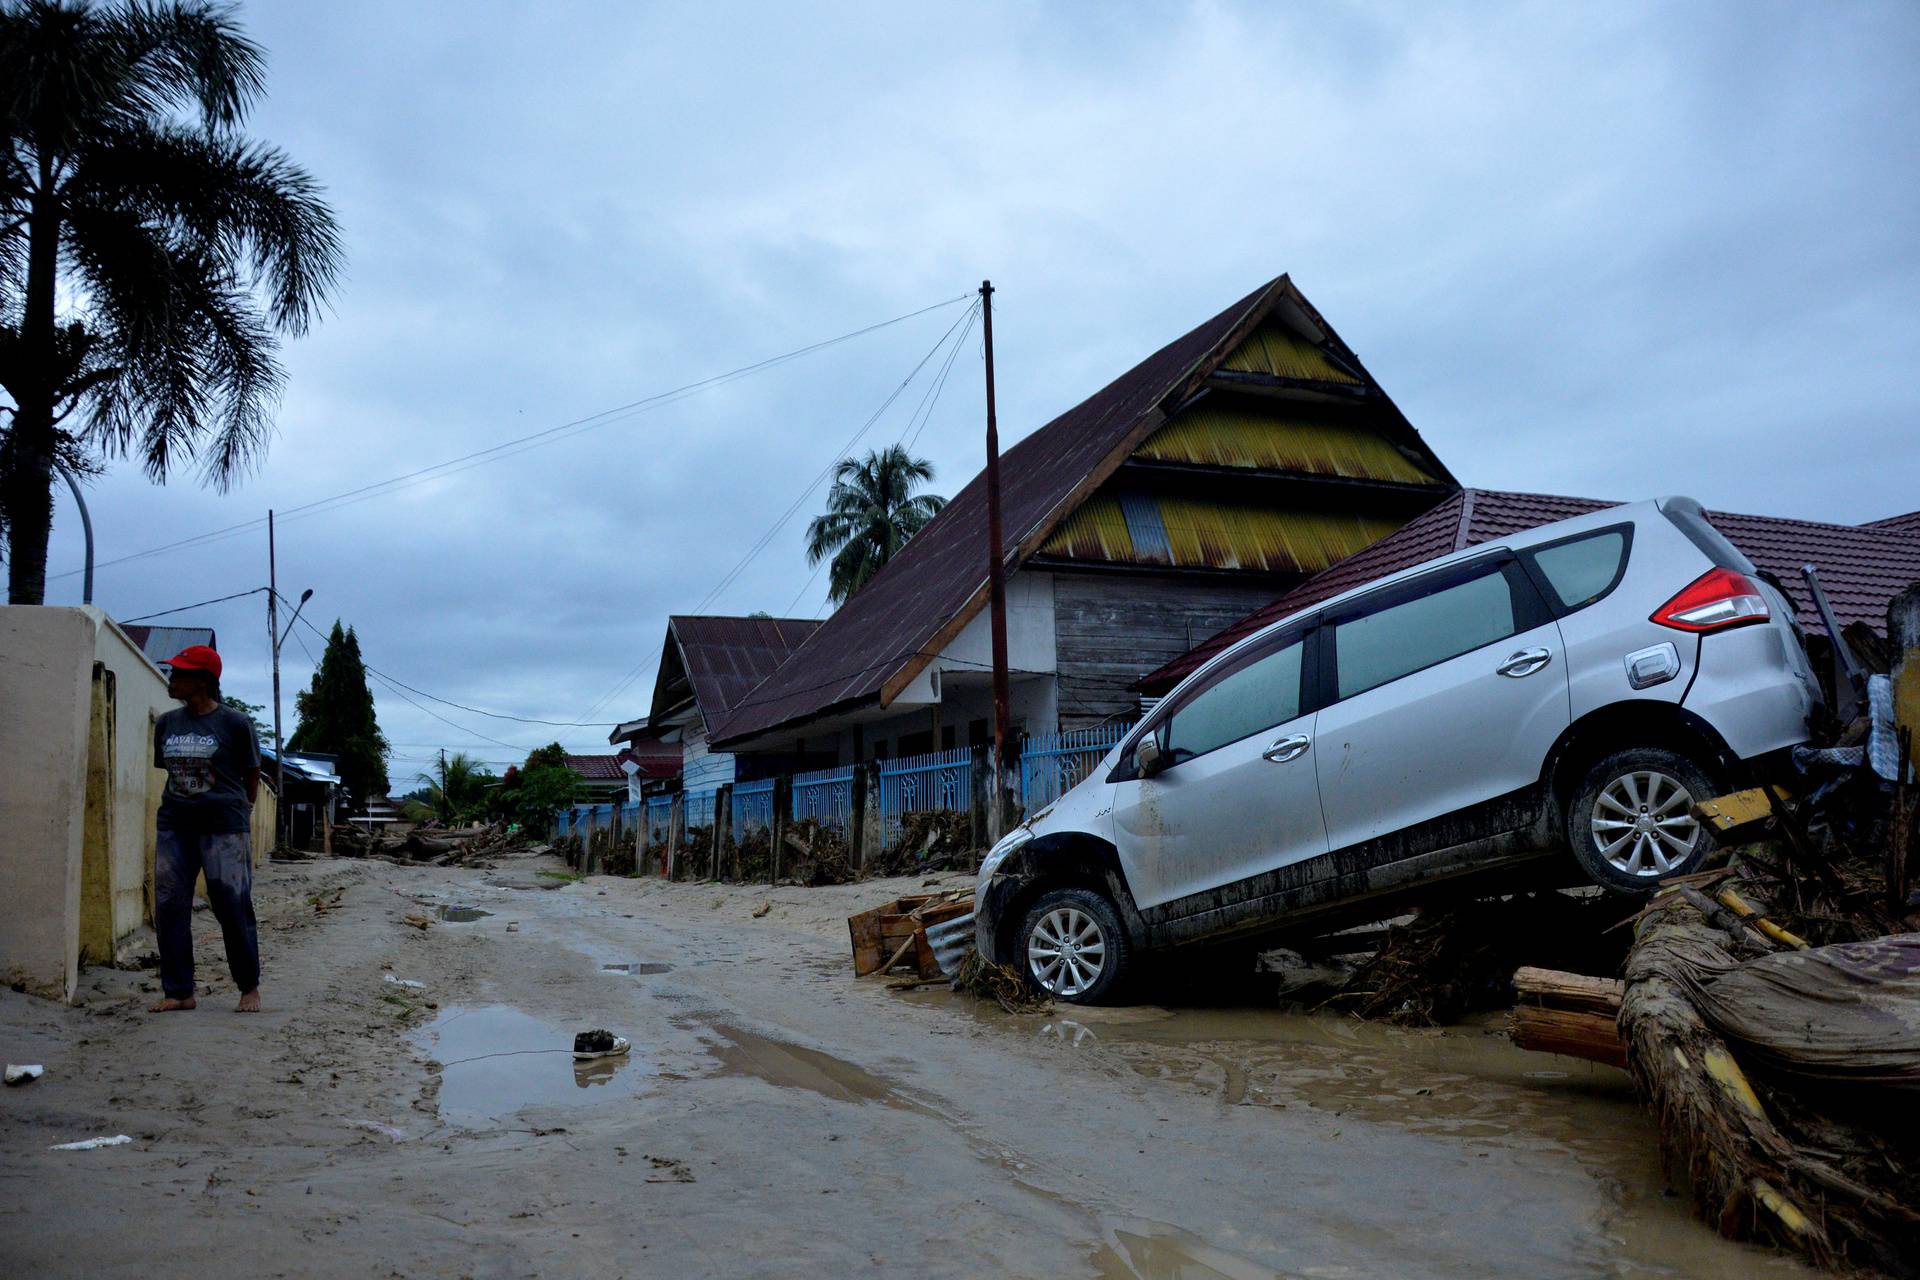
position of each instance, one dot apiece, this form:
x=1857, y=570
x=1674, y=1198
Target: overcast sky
x=1609, y=250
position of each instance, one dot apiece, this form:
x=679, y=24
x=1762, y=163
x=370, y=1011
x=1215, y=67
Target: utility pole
x=444, y=802
x=996, y=582
x=281, y=818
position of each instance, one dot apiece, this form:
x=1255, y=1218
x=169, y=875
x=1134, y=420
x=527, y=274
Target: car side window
x=1408, y=633
x=1259, y=695
x=1582, y=570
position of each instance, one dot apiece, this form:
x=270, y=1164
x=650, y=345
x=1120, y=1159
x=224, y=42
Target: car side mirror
x=1147, y=757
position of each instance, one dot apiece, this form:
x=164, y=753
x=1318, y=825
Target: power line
x=203, y=604
x=388, y=680
x=519, y=444
x=766, y=538
x=460, y=706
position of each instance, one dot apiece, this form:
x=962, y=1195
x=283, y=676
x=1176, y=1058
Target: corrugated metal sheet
x=1277, y=436
x=1196, y=533
x=161, y=643
x=1862, y=567
x=1278, y=350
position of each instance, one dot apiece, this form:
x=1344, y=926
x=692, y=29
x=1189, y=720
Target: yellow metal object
x=1194, y=533
x=1278, y=436
x=1274, y=348
x=1784, y=1209
x=1744, y=909
x=1727, y=1074
x=1739, y=808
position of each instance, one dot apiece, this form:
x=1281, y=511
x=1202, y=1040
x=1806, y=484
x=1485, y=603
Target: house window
x=880, y=749
x=916, y=744
x=946, y=737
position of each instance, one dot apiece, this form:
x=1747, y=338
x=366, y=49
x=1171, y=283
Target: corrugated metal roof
x=937, y=582
x=1197, y=533
x=724, y=657
x=161, y=643
x=1862, y=567
x=1275, y=435
x=1276, y=349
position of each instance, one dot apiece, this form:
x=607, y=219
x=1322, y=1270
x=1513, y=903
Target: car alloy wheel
x=1643, y=823
x=1066, y=951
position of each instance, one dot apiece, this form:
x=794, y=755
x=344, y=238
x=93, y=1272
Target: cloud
x=1616, y=250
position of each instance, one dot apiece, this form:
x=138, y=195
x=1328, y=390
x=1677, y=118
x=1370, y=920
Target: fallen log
x=1574, y=991
x=1568, y=1013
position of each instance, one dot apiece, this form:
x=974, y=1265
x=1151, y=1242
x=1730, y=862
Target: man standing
x=213, y=777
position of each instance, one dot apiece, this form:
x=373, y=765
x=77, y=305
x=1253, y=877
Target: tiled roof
x=1861, y=567
x=899, y=621
x=597, y=768
x=1908, y=523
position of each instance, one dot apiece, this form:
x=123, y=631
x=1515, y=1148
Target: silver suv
x=1577, y=687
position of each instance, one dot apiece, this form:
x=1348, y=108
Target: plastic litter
x=403, y=982
x=23, y=1075
x=88, y=1144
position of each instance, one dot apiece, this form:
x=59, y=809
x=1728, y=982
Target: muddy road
x=775, y=1116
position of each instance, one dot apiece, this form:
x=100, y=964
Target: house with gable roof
x=1237, y=461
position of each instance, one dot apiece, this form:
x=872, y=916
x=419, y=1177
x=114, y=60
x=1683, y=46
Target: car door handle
x=1288, y=748
x=1525, y=662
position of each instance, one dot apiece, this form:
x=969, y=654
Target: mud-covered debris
x=998, y=982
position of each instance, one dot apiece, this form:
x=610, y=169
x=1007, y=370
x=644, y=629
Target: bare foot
x=170, y=1005
x=249, y=1003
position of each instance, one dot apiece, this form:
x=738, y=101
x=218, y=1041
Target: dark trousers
x=227, y=859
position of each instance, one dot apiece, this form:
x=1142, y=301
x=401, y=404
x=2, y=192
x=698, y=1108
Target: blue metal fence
x=1053, y=763
x=941, y=781
x=752, y=808
x=659, y=819
x=825, y=795
x=700, y=808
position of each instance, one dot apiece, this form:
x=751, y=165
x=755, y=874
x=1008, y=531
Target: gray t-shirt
x=208, y=760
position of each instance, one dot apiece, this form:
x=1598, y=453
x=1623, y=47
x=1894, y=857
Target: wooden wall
x=1112, y=628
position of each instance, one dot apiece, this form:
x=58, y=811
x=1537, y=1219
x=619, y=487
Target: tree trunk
x=26, y=488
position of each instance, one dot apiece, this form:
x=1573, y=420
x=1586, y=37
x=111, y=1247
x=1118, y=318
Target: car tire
x=1630, y=822
x=1071, y=946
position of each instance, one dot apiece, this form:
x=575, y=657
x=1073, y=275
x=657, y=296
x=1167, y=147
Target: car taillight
x=1716, y=599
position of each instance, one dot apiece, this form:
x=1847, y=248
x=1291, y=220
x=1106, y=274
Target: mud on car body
x=1572, y=690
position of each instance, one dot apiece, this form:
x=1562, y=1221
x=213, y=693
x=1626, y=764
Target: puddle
x=634, y=970
x=792, y=1066
x=1155, y=1251
x=496, y=1061
x=463, y=915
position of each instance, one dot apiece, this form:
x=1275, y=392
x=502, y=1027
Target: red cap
x=196, y=657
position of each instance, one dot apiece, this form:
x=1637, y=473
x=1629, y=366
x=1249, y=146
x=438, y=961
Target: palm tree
x=459, y=789
x=871, y=512
x=149, y=251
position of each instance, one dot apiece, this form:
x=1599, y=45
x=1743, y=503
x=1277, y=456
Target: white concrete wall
x=140, y=696
x=46, y=689
x=1030, y=630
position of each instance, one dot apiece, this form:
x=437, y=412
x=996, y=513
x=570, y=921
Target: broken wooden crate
x=895, y=933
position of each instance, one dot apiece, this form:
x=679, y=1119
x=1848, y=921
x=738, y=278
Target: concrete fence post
x=777, y=829
x=858, y=824
x=722, y=838
x=676, y=833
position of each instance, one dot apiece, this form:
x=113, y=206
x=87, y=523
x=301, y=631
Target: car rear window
x=1399, y=639
x=1582, y=570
